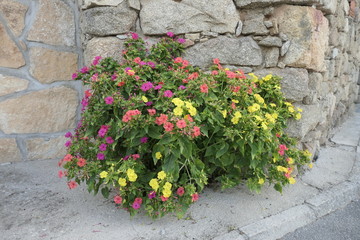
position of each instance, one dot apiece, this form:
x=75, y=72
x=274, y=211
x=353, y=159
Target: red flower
x=67, y=158
x=81, y=162
x=121, y=84
x=161, y=120
x=181, y=124
x=216, y=61
x=137, y=60
x=204, y=88
x=72, y=184
x=138, y=200
x=178, y=60
x=118, y=199
x=180, y=191
x=164, y=199
x=61, y=174
x=194, y=197
x=168, y=126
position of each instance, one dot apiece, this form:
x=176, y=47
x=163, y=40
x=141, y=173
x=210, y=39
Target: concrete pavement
x=36, y=204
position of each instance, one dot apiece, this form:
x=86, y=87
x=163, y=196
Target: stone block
x=232, y=51
x=105, y=21
x=294, y=81
x=271, y=57
x=10, y=54
x=94, y=3
x=14, y=14
x=271, y=42
x=48, y=65
x=255, y=25
x=308, y=31
x=45, y=111
x=9, y=151
x=188, y=16
x=54, y=24
x=104, y=47
x=135, y=4
x=9, y=84
x=41, y=148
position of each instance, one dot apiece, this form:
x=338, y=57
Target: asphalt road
x=343, y=224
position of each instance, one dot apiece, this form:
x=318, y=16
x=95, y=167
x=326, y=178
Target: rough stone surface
x=40, y=148
x=54, y=24
x=105, y=21
x=9, y=150
x=188, y=16
x=48, y=65
x=14, y=14
x=241, y=51
x=255, y=26
x=104, y=47
x=94, y=3
x=10, y=54
x=271, y=42
x=9, y=84
x=135, y=4
x=271, y=57
x=265, y=3
x=294, y=82
x=285, y=48
x=45, y=111
x=308, y=31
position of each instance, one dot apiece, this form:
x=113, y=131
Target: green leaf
x=227, y=159
x=154, y=132
x=223, y=149
x=171, y=166
x=166, y=139
x=185, y=147
x=211, y=150
x=105, y=192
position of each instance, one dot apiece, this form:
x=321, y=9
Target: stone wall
x=40, y=49
x=313, y=44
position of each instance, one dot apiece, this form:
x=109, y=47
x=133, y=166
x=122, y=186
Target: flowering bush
x=155, y=130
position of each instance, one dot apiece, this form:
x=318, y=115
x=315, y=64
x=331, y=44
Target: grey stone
x=210, y=34
x=203, y=40
x=283, y=36
x=294, y=81
x=192, y=36
x=104, y=47
x=239, y=28
x=334, y=53
x=271, y=42
x=105, y=21
x=268, y=24
x=239, y=51
x=233, y=235
x=281, y=65
x=188, y=16
x=280, y=224
x=348, y=133
x=271, y=57
x=188, y=43
x=285, y=48
x=95, y=3
x=255, y=26
x=135, y=4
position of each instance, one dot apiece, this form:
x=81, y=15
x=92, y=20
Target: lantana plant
x=156, y=130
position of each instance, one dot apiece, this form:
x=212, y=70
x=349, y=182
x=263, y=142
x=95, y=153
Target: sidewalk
x=36, y=204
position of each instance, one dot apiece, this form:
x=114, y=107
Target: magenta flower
x=142, y=63
x=84, y=70
x=168, y=93
x=68, y=144
x=109, y=100
x=134, y=36
x=126, y=157
x=74, y=76
x=102, y=147
x=127, y=69
x=96, y=60
x=144, y=139
x=152, y=195
x=181, y=40
x=100, y=156
x=170, y=34
x=146, y=86
x=181, y=87
x=68, y=135
x=135, y=156
x=151, y=64
x=103, y=130
x=109, y=140
x=158, y=87
x=136, y=205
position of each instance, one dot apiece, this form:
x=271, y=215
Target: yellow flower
x=161, y=175
x=267, y=77
x=275, y=115
x=122, y=182
x=307, y=153
x=237, y=114
x=290, y=161
x=287, y=104
x=255, y=78
x=167, y=185
x=258, y=98
x=192, y=111
x=261, y=181
x=103, y=174
x=270, y=118
x=299, y=110
x=274, y=159
x=281, y=169
x=292, y=180
x=254, y=107
x=188, y=104
x=131, y=175
x=310, y=165
x=144, y=99
x=235, y=101
x=158, y=155
x=264, y=126
x=258, y=118
x=298, y=116
x=224, y=113
x=178, y=102
x=154, y=184
x=166, y=193
x=235, y=120
x=291, y=109
x=178, y=111
x=272, y=104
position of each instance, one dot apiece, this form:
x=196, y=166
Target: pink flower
x=181, y=124
x=109, y=100
x=103, y=130
x=74, y=76
x=194, y=197
x=67, y=158
x=100, y=156
x=168, y=126
x=230, y=74
x=102, y=147
x=81, y=162
x=84, y=70
x=170, y=34
x=152, y=195
x=138, y=200
x=180, y=191
x=278, y=135
x=164, y=199
x=96, y=60
x=181, y=40
x=168, y=93
x=158, y=87
x=118, y=199
x=178, y=60
x=161, y=120
x=151, y=112
x=146, y=86
x=137, y=60
x=126, y=118
x=134, y=36
x=282, y=147
x=204, y=88
x=135, y=156
x=216, y=61
x=72, y=184
x=214, y=72
x=136, y=205
x=281, y=152
x=94, y=77
x=61, y=174
x=196, y=131
x=144, y=139
x=109, y=140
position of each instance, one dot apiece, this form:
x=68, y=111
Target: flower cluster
x=155, y=130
